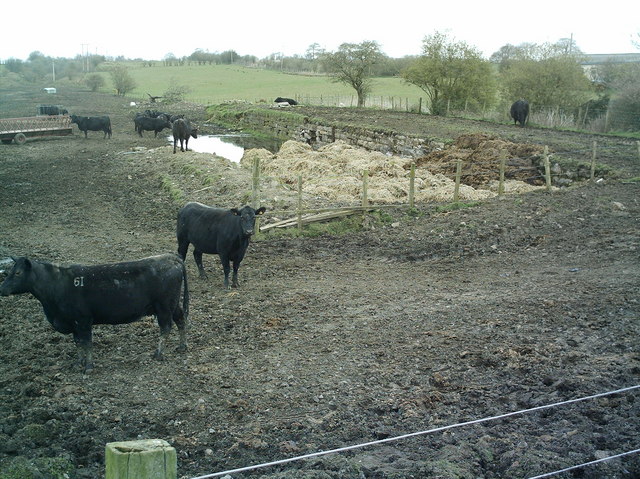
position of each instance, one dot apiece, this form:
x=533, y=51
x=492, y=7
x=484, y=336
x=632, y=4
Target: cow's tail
x=185, y=293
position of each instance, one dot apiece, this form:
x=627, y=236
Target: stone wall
x=300, y=128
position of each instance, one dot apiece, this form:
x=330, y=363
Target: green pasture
x=212, y=84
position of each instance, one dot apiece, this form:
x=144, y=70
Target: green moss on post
x=145, y=459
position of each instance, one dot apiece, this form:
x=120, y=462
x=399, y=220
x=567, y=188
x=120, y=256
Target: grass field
x=212, y=84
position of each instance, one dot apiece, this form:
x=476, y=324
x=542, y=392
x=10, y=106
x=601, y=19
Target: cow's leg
x=164, y=321
x=181, y=323
x=186, y=144
x=197, y=256
x=224, y=259
x=174, y=146
x=159, y=353
x=183, y=246
x=234, y=278
x=85, y=349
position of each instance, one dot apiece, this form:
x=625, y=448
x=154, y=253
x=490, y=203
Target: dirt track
x=421, y=322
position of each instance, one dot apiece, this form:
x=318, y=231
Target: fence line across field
x=365, y=202
x=422, y=433
x=590, y=463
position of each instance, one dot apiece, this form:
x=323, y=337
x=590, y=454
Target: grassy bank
x=212, y=84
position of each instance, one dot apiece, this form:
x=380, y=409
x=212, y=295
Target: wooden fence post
x=456, y=190
x=365, y=188
x=300, y=203
x=547, y=168
x=593, y=160
x=145, y=459
x=412, y=182
x=503, y=162
x=255, y=197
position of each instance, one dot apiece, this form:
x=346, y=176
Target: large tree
x=451, y=72
x=548, y=77
x=122, y=80
x=351, y=65
x=622, y=92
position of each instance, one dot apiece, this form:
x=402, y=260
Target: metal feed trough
x=19, y=129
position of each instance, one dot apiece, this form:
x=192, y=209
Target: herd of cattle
x=76, y=297
x=149, y=120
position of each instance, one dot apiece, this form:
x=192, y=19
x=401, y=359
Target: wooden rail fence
x=305, y=216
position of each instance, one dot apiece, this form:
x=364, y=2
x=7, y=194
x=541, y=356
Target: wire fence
x=437, y=430
x=615, y=117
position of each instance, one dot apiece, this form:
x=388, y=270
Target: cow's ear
x=235, y=211
x=261, y=210
x=25, y=262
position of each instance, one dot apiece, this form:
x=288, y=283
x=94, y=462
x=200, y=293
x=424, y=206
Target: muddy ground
x=419, y=321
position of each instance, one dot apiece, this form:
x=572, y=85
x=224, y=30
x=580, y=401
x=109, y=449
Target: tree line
x=452, y=74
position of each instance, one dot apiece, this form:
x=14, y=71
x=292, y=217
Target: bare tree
x=351, y=65
x=122, y=81
x=450, y=71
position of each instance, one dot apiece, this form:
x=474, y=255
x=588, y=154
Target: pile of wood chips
x=336, y=171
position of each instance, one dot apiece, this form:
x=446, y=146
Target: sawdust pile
x=335, y=172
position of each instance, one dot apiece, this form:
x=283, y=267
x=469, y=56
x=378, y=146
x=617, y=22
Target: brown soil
x=430, y=319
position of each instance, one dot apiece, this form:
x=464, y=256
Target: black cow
x=76, y=297
x=290, y=101
x=216, y=231
x=51, y=110
x=519, y=112
x=156, y=113
x=144, y=123
x=182, y=131
x=93, y=123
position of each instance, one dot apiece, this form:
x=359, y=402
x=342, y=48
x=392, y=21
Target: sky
x=151, y=30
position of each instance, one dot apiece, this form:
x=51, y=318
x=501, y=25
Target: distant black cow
x=182, y=131
x=144, y=123
x=156, y=113
x=519, y=112
x=290, y=101
x=93, y=123
x=51, y=110
x=225, y=232
x=76, y=297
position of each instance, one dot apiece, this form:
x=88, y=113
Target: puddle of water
x=215, y=144
x=229, y=146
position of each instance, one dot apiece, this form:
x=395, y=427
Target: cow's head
x=247, y=218
x=18, y=281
